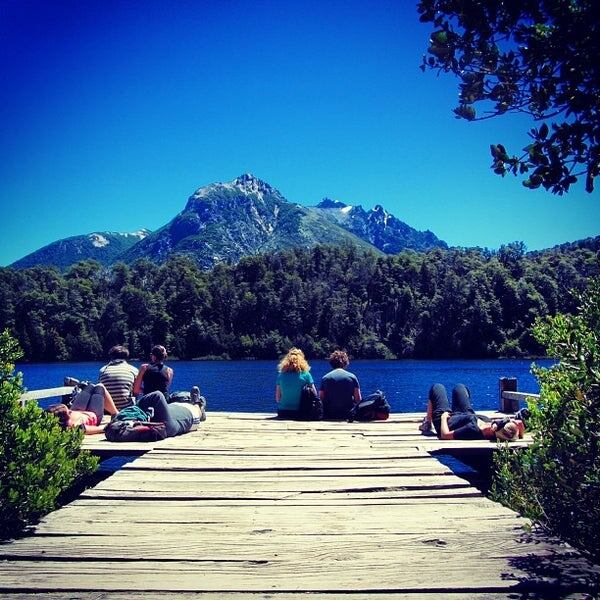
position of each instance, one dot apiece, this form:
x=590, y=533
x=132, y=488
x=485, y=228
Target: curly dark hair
x=339, y=359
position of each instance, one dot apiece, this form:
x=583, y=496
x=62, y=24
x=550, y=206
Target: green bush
x=38, y=459
x=556, y=480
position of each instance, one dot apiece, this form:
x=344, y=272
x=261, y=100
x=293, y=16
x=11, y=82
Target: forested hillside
x=443, y=303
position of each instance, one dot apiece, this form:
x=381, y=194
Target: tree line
x=470, y=303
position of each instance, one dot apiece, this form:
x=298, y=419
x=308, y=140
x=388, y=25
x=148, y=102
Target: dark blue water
x=250, y=385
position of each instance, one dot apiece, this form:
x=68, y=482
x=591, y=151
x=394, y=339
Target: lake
x=248, y=386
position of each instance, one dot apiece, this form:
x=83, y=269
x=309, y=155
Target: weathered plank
x=318, y=571
x=107, y=595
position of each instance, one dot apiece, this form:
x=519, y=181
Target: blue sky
x=113, y=113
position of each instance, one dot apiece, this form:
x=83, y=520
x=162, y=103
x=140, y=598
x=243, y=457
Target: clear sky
x=113, y=112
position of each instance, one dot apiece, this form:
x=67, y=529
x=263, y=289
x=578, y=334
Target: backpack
x=311, y=406
x=134, y=431
x=372, y=408
x=131, y=413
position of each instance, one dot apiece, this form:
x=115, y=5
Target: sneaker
x=425, y=426
x=195, y=395
x=196, y=398
x=202, y=405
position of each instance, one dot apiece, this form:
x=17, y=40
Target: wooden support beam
x=48, y=393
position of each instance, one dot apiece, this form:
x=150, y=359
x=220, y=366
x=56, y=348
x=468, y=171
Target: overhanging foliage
x=538, y=57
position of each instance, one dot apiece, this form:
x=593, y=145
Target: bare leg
x=109, y=405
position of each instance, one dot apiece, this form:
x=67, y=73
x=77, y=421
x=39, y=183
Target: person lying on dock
x=460, y=422
x=86, y=411
x=178, y=417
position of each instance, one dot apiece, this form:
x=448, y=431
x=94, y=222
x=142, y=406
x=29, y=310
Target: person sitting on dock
x=460, y=422
x=294, y=373
x=155, y=376
x=340, y=390
x=86, y=411
x=118, y=377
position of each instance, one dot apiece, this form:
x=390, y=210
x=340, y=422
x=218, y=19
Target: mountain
x=226, y=221
x=378, y=227
x=105, y=247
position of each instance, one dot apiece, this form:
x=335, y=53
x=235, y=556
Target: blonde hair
x=293, y=362
x=509, y=432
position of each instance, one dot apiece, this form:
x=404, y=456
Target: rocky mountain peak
x=249, y=184
x=379, y=215
x=246, y=185
x=329, y=203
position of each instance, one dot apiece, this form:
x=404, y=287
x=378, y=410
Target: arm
x=277, y=393
x=357, y=396
x=445, y=433
x=93, y=429
x=315, y=390
x=170, y=373
x=137, y=384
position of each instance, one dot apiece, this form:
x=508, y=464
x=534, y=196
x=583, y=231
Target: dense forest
x=443, y=303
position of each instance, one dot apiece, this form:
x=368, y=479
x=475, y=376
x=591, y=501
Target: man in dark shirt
x=339, y=388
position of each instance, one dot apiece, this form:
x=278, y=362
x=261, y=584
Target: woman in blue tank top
x=155, y=376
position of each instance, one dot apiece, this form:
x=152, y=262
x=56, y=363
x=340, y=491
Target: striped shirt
x=118, y=377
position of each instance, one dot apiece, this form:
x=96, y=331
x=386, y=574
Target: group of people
x=119, y=385
x=340, y=391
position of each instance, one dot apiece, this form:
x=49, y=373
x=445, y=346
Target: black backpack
x=311, y=407
x=372, y=408
x=132, y=424
x=135, y=431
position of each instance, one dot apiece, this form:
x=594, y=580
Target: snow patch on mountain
x=98, y=240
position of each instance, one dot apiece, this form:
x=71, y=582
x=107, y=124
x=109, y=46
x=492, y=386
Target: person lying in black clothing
x=459, y=421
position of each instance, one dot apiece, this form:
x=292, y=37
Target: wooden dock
x=252, y=507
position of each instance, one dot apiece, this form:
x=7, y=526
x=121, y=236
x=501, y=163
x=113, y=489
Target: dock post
x=508, y=384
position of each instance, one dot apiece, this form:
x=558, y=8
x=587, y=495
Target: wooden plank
x=449, y=545
x=324, y=571
x=222, y=595
x=424, y=517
